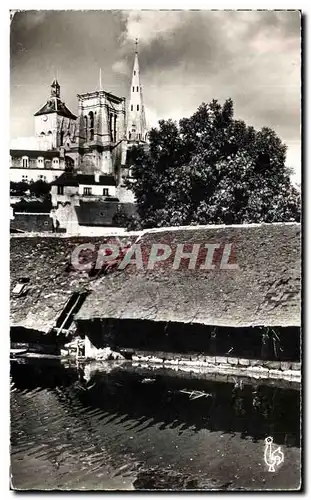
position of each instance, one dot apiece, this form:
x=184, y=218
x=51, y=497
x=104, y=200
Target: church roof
x=34, y=153
x=72, y=179
x=89, y=179
x=55, y=105
x=66, y=179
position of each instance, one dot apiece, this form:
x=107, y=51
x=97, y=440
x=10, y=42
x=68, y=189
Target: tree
x=212, y=169
x=39, y=188
x=18, y=188
x=120, y=218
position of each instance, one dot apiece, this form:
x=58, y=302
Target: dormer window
x=40, y=162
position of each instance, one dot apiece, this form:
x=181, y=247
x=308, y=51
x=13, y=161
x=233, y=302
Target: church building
x=95, y=141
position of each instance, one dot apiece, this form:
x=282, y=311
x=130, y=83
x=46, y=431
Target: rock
x=108, y=354
x=244, y=362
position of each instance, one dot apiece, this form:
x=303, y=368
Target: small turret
x=55, y=88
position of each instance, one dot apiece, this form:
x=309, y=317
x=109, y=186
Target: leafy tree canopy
x=212, y=169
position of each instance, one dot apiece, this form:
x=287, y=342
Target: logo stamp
x=273, y=458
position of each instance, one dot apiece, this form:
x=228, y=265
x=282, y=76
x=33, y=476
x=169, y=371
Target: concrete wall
x=67, y=218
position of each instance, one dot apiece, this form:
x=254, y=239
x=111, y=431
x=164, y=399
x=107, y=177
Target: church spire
x=136, y=123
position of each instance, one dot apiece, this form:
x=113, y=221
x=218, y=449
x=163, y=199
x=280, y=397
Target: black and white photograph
x=155, y=178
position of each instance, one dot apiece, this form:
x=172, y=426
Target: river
x=106, y=427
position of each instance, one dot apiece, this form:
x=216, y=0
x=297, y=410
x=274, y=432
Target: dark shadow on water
x=132, y=401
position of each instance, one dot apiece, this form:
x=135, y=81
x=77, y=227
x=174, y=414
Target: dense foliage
x=212, y=169
x=37, y=188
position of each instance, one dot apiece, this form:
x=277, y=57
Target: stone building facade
x=54, y=121
x=95, y=141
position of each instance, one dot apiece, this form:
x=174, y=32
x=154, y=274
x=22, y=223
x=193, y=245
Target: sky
x=186, y=58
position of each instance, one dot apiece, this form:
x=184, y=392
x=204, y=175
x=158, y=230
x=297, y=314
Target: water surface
x=102, y=427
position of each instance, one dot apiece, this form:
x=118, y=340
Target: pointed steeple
x=136, y=122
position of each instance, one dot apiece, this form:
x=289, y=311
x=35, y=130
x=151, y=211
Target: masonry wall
x=32, y=222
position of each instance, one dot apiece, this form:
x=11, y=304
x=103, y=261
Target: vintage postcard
x=155, y=248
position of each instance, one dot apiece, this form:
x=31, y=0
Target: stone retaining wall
x=228, y=366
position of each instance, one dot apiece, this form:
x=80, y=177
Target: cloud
x=121, y=67
x=186, y=57
x=149, y=25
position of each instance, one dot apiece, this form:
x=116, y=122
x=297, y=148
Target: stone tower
x=136, y=121
x=101, y=132
x=54, y=119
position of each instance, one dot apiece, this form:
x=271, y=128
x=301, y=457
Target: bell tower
x=136, y=130
x=53, y=119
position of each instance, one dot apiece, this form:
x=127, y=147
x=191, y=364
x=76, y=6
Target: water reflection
x=85, y=427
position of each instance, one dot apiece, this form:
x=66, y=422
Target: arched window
x=137, y=89
x=85, y=126
x=40, y=162
x=91, y=117
x=132, y=107
x=137, y=107
x=111, y=126
x=115, y=128
x=62, y=138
